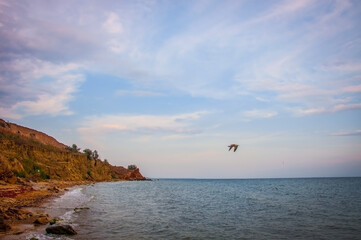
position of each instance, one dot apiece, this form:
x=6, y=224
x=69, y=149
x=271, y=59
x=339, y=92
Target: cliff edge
x=29, y=154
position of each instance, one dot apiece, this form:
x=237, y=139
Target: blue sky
x=167, y=85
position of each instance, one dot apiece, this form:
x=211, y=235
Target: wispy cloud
x=138, y=93
x=40, y=87
x=283, y=10
x=180, y=124
x=113, y=24
x=343, y=66
x=321, y=110
x=352, y=89
x=280, y=52
x=258, y=114
x=348, y=133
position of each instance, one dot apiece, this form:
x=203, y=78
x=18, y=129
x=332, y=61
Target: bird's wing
x=235, y=147
x=230, y=147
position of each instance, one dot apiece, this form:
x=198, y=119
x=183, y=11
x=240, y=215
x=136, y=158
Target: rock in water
x=61, y=230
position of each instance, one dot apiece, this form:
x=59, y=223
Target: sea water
x=314, y=208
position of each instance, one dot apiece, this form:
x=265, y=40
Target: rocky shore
x=18, y=200
x=35, y=167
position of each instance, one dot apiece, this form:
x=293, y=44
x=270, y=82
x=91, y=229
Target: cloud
x=322, y=110
x=113, y=24
x=43, y=36
x=138, y=93
x=283, y=10
x=343, y=107
x=283, y=49
x=352, y=89
x=36, y=87
x=343, y=67
x=348, y=133
x=258, y=114
x=179, y=124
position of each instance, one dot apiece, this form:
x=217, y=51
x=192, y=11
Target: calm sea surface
x=317, y=208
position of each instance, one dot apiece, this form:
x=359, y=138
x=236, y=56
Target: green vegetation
x=132, y=167
x=74, y=148
x=88, y=153
x=20, y=174
x=18, y=140
x=95, y=155
x=54, y=221
x=28, y=158
x=31, y=169
x=91, y=155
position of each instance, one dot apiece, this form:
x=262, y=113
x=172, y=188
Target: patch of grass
x=20, y=174
x=20, y=140
x=31, y=168
x=28, y=165
x=43, y=175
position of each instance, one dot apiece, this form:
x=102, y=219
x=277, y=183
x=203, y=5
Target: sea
x=302, y=208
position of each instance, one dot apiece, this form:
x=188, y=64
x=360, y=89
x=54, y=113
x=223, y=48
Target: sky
x=168, y=85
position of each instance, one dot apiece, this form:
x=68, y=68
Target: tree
x=95, y=155
x=74, y=148
x=132, y=167
x=105, y=161
x=89, y=153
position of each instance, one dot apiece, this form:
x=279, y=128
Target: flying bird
x=234, y=146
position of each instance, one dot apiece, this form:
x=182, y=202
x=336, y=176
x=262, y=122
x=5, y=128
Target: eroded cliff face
x=28, y=153
x=30, y=134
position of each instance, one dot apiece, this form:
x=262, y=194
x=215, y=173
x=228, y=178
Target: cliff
x=30, y=154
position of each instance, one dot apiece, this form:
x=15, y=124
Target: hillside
x=30, y=154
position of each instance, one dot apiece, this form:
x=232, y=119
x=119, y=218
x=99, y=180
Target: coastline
x=22, y=204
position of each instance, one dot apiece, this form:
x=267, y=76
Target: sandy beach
x=22, y=206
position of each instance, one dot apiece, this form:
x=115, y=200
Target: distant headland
x=29, y=154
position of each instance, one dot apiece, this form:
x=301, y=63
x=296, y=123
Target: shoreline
x=24, y=203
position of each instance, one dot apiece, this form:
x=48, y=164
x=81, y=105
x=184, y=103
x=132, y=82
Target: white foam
x=40, y=236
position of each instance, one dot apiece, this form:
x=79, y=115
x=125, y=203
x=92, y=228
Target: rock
x=79, y=209
x=134, y=175
x=61, y=230
x=3, y=226
x=54, y=189
x=12, y=180
x=42, y=219
x=54, y=221
x=22, y=214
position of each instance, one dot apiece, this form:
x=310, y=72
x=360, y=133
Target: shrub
x=74, y=148
x=132, y=167
x=20, y=174
x=89, y=153
x=95, y=155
